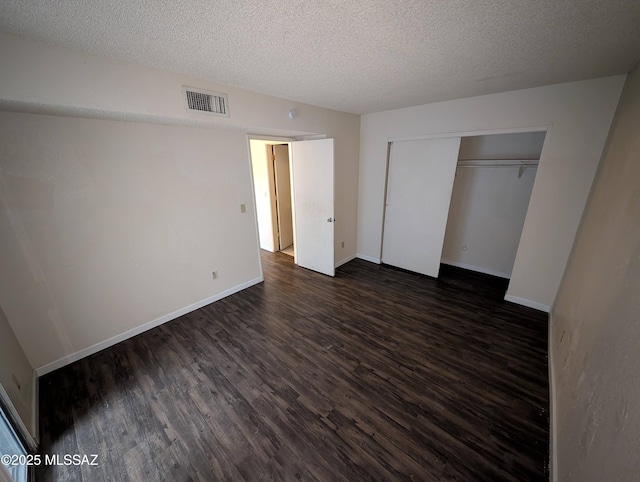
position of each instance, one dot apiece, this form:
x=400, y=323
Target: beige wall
x=109, y=227
x=16, y=375
x=595, y=322
x=577, y=115
x=41, y=78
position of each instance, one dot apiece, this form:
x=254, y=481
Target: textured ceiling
x=356, y=56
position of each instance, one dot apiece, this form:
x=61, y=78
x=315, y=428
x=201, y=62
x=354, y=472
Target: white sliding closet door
x=419, y=185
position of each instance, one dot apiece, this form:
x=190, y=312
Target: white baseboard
x=371, y=259
x=471, y=267
x=553, y=426
x=345, y=260
x=528, y=303
x=66, y=360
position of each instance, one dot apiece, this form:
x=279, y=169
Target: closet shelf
x=497, y=162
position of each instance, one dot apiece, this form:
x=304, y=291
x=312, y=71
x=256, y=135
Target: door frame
x=482, y=132
x=282, y=140
x=259, y=137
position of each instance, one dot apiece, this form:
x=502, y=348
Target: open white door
x=419, y=185
x=312, y=175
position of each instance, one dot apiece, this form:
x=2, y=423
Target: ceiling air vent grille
x=205, y=102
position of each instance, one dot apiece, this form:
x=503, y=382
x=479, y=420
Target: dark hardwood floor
x=376, y=374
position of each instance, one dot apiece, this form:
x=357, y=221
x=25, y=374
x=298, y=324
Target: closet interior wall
x=489, y=201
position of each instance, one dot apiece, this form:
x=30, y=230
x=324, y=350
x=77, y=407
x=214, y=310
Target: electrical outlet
x=243, y=208
x=214, y=274
x=343, y=244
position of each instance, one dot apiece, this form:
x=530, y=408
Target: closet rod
x=497, y=162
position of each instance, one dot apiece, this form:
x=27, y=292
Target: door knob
x=331, y=220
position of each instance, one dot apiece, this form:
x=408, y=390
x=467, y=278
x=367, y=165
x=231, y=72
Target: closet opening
x=489, y=201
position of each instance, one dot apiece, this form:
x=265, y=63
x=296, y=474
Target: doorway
x=294, y=194
x=272, y=185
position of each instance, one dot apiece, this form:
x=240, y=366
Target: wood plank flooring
x=376, y=374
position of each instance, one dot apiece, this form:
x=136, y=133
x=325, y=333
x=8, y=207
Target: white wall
x=265, y=201
x=577, y=115
x=595, y=322
x=486, y=215
x=111, y=226
x=489, y=204
x=16, y=375
x=42, y=78
x=522, y=145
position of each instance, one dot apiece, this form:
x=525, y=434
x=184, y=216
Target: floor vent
x=205, y=102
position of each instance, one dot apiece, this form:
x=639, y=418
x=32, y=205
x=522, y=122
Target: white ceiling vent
x=204, y=102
